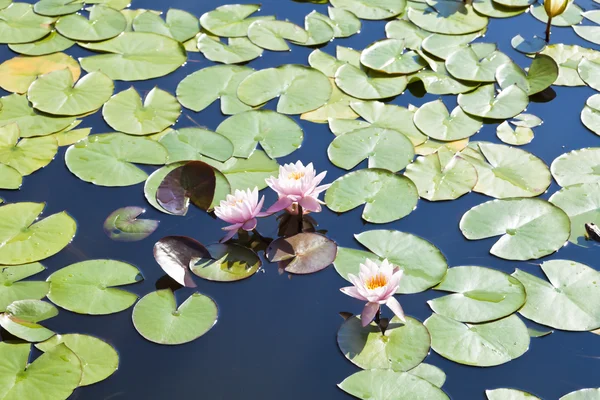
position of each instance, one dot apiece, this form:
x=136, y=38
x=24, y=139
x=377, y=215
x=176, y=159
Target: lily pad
x=387, y=196
x=304, y=253
x=344, y=23
x=135, y=56
x=528, y=46
x=18, y=73
x=389, y=56
x=448, y=17
x=478, y=295
x=481, y=345
x=69, y=136
x=434, y=120
x=98, y=358
x=476, y=63
x=52, y=43
x=430, y=373
x=590, y=115
x=122, y=225
x=103, y=23
x=527, y=120
x=16, y=108
x=372, y=9
x=247, y=173
x=569, y=301
x=56, y=8
x=494, y=9
x=588, y=71
x=582, y=205
x=568, y=58
x=23, y=240
x=368, y=86
x=530, y=228
x=12, y=288
x=402, y=347
x=318, y=28
x=125, y=111
x=24, y=156
x=107, y=159
x=231, y=20
x=22, y=316
x=441, y=46
x=187, y=144
x=89, y=287
x=54, y=92
x=10, y=178
x=272, y=35
x=158, y=319
x=439, y=82
x=238, y=50
x=411, y=34
x=278, y=135
x=227, y=263
x=201, y=88
x=20, y=24
x=517, y=137
x=583, y=394
x=177, y=254
x=541, y=74
x=571, y=16
x=509, y=394
x=577, y=166
x=485, y=103
x=178, y=24
x=337, y=107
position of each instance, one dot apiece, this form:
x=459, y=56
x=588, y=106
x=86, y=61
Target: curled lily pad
x=13, y=288
x=89, y=287
x=517, y=137
x=530, y=228
x=193, y=181
x=568, y=58
x=569, y=301
x=371, y=9
x=485, y=103
x=179, y=25
x=24, y=156
x=238, y=50
x=368, y=85
x=103, y=23
x=509, y=394
x=188, y=144
x=434, y=120
x=522, y=45
x=481, y=345
x=272, y=35
x=577, y=166
x=177, y=254
x=230, y=20
x=123, y=225
x=25, y=240
x=55, y=92
x=126, y=113
x=441, y=46
x=98, y=358
x=389, y=56
x=20, y=24
x=16, y=108
x=448, y=17
x=52, y=43
x=18, y=73
x=582, y=204
x=527, y=120
x=402, y=347
x=541, y=74
x=590, y=115
x=158, y=319
x=304, y=253
x=571, y=16
x=387, y=196
x=22, y=316
x=476, y=63
x=227, y=263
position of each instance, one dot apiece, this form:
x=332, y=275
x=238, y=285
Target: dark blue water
x=276, y=335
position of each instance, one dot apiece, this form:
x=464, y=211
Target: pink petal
x=352, y=292
x=368, y=313
x=250, y=224
x=258, y=206
x=280, y=204
x=233, y=227
x=310, y=204
x=396, y=308
x=229, y=235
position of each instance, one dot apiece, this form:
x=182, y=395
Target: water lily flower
x=376, y=284
x=297, y=185
x=240, y=210
x=553, y=9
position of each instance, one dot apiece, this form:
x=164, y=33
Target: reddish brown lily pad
x=177, y=254
x=304, y=253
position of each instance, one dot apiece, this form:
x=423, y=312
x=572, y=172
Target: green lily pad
x=389, y=56
x=158, y=319
x=434, y=120
x=582, y=205
x=509, y=394
x=441, y=46
x=135, y=56
x=478, y=295
x=277, y=134
x=591, y=33
x=25, y=156
x=337, y=107
x=52, y=43
x=423, y=264
x=411, y=34
x=390, y=385
x=571, y=16
x=484, y=103
x=481, y=345
x=12, y=288
x=343, y=22
x=378, y=189
x=448, y=17
x=525, y=46
x=69, y=136
x=123, y=225
x=569, y=301
x=56, y=8
x=568, y=58
x=430, y=373
x=368, y=86
x=299, y=89
x=272, y=35
x=16, y=109
x=98, y=358
x=318, y=28
x=229, y=263
x=541, y=74
x=493, y=9
x=325, y=63
x=116, y=4
x=55, y=374
x=588, y=71
x=438, y=81
x=505, y=172
x=54, y=93
x=530, y=228
x=238, y=50
x=371, y=9
x=179, y=25
x=231, y=20
x=201, y=88
x=475, y=63
x=590, y=115
x=401, y=348
x=519, y=136
x=10, y=178
x=247, y=173
x=24, y=241
x=22, y=316
x=583, y=394
x=103, y=23
x=88, y=287
x=20, y=24
x=527, y=120
x=107, y=159
x=577, y=166
x=188, y=144
x=125, y=111
x=442, y=176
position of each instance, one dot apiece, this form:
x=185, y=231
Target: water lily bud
x=555, y=7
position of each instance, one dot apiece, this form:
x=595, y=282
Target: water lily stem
x=548, y=29
x=378, y=320
x=300, y=219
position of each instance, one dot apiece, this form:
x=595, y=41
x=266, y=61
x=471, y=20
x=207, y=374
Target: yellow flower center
x=235, y=202
x=376, y=281
x=295, y=175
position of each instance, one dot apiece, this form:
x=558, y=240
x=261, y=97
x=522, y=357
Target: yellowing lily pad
x=18, y=73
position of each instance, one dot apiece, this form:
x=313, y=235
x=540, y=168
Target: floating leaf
x=20, y=24
x=227, y=263
x=122, y=225
x=69, y=136
x=195, y=181
x=189, y=144
x=23, y=240
x=411, y=34
x=509, y=394
x=18, y=73
x=52, y=43
x=484, y=103
x=493, y=9
x=22, y=316
x=325, y=63
x=590, y=115
x=439, y=82
x=389, y=56
x=481, y=345
x=387, y=196
x=135, y=56
x=476, y=63
x=517, y=137
x=430, y=373
x=88, y=287
x=371, y=9
x=530, y=228
x=247, y=173
x=179, y=25
x=588, y=71
x=98, y=358
x=238, y=50
x=368, y=86
x=527, y=120
x=56, y=8
x=402, y=347
x=568, y=58
x=158, y=319
x=577, y=166
x=125, y=111
x=317, y=27
x=583, y=394
x=337, y=107
x=522, y=45
x=582, y=204
x=12, y=288
x=304, y=253
x=107, y=159
x=10, y=178
x=448, y=17
x=571, y=16
x=541, y=74
x=177, y=254
x=434, y=120
x=24, y=156
x=15, y=108
x=231, y=20
x=343, y=22
x=441, y=46
x=103, y=23
x=272, y=35
x=54, y=92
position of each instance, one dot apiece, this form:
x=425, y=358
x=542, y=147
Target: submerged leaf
x=122, y=225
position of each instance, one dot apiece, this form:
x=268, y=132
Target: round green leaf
x=238, y=50
x=439, y=81
x=135, y=56
x=103, y=23
x=123, y=225
x=387, y=196
x=582, y=205
x=302, y=253
x=325, y=63
x=577, y=166
x=344, y=23
x=12, y=289
x=569, y=301
x=591, y=33
x=125, y=111
x=401, y=348
x=201, y=88
x=318, y=28
x=509, y=394
x=475, y=63
x=430, y=373
x=54, y=93
x=412, y=35
x=515, y=3
x=22, y=240
x=272, y=35
x=337, y=107
x=434, y=120
x=583, y=394
x=372, y=9
x=530, y=228
x=16, y=108
x=98, y=358
x=493, y=9
x=20, y=24
x=69, y=136
x=568, y=58
x=157, y=318
x=517, y=137
x=389, y=56
x=88, y=287
x=24, y=156
x=522, y=45
x=230, y=20
x=448, y=17
x=10, y=178
x=481, y=345
x=188, y=144
x=228, y=263
x=527, y=120
x=247, y=173
x=479, y=295
x=541, y=74
x=22, y=316
x=484, y=103
x=179, y=25
x=52, y=43
x=277, y=134
x=368, y=86
x=589, y=72
x=590, y=115
x=441, y=46
x=55, y=8
x=571, y=16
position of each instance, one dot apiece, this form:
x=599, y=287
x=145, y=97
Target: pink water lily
x=297, y=185
x=240, y=210
x=376, y=284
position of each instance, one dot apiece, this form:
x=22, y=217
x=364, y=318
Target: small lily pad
x=231, y=20
x=590, y=115
x=236, y=51
x=22, y=316
x=371, y=9
x=485, y=103
x=20, y=24
x=123, y=225
x=18, y=73
x=509, y=394
x=13, y=288
x=525, y=46
x=103, y=23
x=178, y=24
x=389, y=56
x=272, y=35
x=368, y=86
x=542, y=73
x=227, y=263
x=476, y=63
x=441, y=46
x=577, y=166
x=25, y=156
x=304, y=253
x=517, y=137
x=582, y=205
x=434, y=120
x=411, y=34
x=56, y=8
